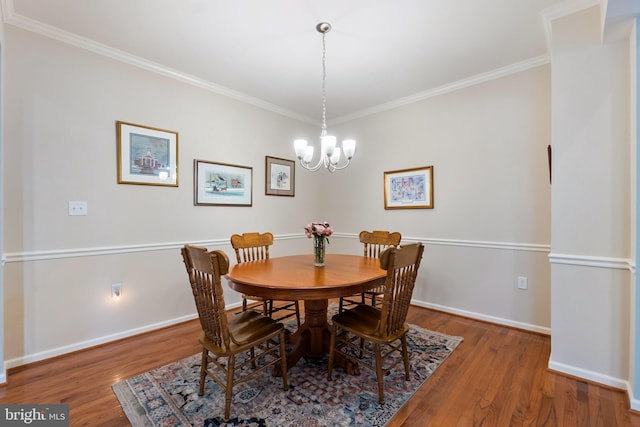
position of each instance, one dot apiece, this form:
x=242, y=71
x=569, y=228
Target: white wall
x=634, y=357
x=60, y=145
x=491, y=220
x=3, y=376
x=590, y=278
x=490, y=224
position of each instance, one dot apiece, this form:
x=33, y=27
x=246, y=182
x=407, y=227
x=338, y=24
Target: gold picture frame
x=409, y=188
x=147, y=155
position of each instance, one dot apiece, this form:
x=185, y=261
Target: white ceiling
x=268, y=52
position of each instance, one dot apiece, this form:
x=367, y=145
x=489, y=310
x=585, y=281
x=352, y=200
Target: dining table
x=295, y=277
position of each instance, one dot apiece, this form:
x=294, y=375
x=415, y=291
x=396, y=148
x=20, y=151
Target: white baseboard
x=36, y=357
x=491, y=319
x=592, y=376
x=562, y=368
x=634, y=403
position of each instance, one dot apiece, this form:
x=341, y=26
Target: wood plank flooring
x=497, y=377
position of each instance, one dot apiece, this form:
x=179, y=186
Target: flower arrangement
x=318, y=229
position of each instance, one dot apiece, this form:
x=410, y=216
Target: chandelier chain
x=330, y=154
x=324, y=86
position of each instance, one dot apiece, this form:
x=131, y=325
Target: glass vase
x=318, y=251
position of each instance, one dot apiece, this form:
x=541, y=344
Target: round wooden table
x=296, y=278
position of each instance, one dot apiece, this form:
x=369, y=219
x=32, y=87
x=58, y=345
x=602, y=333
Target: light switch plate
x=523, y=282
x=77, y=208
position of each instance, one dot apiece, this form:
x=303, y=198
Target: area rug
x=168, y=395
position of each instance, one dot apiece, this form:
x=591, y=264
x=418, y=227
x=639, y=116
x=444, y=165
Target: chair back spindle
x=375, y=242
x=205, y=270
x=382, y=326
x=225, y=337
x=251, y=246
x=254, y=247
x=402, y=266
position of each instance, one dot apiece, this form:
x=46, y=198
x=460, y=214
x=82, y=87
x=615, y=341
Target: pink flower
x=318, y=229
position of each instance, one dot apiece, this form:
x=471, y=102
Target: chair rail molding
x=99, y=251
x=593, y=261
x=11, y=257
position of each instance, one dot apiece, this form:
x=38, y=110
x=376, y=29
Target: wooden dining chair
x=246, y=333
x=374, y=243
x=252, y=247
x=382, y=328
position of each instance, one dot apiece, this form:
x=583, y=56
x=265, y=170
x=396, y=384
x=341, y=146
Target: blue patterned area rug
x=168, y=395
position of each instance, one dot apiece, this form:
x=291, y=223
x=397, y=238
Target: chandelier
x=329, y=153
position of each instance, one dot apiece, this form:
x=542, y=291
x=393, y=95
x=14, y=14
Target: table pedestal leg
x=312, y=338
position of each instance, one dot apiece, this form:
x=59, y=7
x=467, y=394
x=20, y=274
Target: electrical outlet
x=77, y=208
x=116, y=290
x=523, y=282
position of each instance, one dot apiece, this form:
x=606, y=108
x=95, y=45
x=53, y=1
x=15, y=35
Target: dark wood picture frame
x=222, y=184
x=280, y=177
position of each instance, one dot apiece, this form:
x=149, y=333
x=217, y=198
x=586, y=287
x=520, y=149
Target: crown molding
x=560, y=10
x=450, y=87
x=6, y=9
x=12, y=18
x=550, y=14
x=568, y=7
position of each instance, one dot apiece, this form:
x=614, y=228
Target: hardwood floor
x=496, y=377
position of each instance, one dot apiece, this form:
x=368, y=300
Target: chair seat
x=223, y=337
x=246, y=327
x=384, y=326
x=364, y=320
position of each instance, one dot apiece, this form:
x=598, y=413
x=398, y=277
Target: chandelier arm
x=311, y=168
x=336, y=168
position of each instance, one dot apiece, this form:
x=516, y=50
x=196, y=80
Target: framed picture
x=280, y=177
x=409, y=188
x=146, y=155
x=221, y=184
